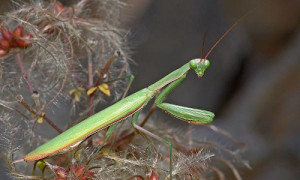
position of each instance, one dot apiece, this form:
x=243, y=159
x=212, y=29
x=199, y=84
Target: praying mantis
x=132, y=106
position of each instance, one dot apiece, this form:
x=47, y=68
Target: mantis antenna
x=202, y=48
x=228, y=31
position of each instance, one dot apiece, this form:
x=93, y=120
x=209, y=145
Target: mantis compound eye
x=193, y=63
x=206, y=63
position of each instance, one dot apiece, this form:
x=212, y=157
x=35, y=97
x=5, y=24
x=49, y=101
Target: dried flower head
x=63, y=52
x=53, y=56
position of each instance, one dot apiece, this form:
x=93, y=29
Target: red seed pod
x=153, y=176
x=6, y=34
x=13, y=44
x=22, y=43
x=4, y=44
x=3, y=52
x=74, y=166
x=18, y=31
x=60, y=172
x=58, y=7
x=79, y=170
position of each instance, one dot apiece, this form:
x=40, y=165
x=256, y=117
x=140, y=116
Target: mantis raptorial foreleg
x=166, y=91
x=187, y=114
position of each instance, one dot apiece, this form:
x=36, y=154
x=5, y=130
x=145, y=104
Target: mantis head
x=199, y=66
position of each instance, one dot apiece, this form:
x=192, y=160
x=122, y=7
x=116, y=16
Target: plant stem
x=91, y=84
x=24, y=73
x=23, y=103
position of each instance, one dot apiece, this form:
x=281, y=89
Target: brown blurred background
x=253, y=84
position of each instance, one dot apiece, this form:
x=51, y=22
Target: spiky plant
x=54, y=56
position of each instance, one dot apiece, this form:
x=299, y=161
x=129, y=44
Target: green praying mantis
x=132, y=106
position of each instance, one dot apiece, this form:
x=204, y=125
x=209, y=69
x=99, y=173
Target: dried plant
x=53, y=56
x=69, y=53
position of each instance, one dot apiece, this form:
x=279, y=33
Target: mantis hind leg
x=141, y=129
